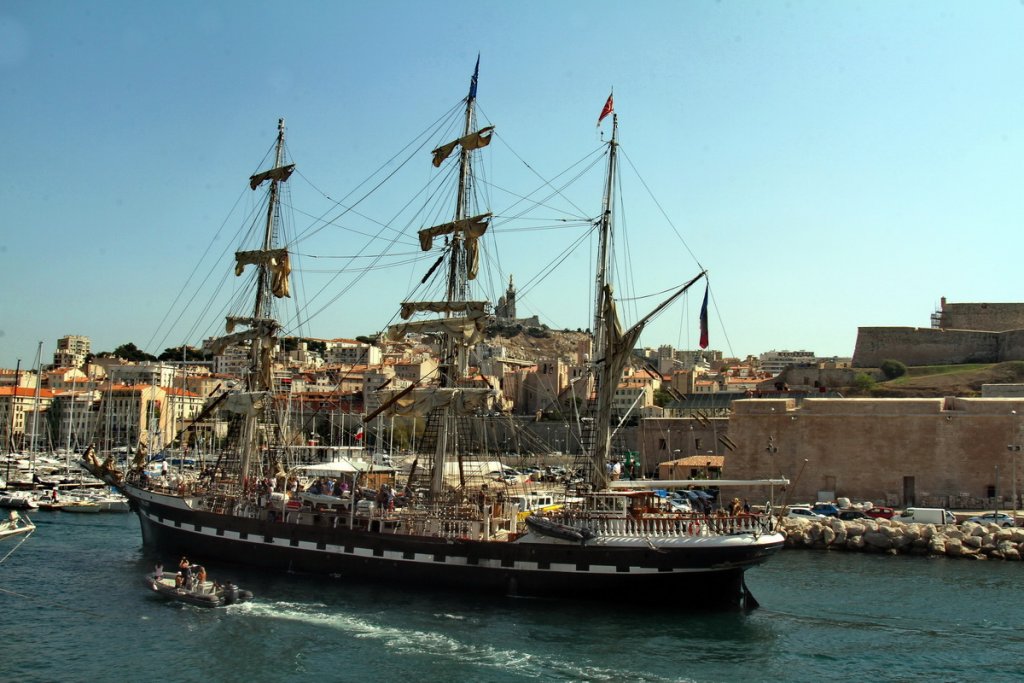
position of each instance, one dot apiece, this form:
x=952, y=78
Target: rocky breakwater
x=969, y=540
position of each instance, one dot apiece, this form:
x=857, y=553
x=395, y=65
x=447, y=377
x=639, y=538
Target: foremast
x=272, y=272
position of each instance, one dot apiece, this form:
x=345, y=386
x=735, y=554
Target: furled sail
x=262, y=330
x=276, y=260
x=280, y=173
x=471, y=228
x=476, y=140
x=618, y=348
x=265, y=329
x=464, y=330
x=619, y=345
x=472, y=309
x=246, y=403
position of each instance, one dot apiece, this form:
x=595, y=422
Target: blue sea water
x=73, y=608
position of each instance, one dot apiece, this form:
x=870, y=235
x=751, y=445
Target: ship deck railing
x=669, y=526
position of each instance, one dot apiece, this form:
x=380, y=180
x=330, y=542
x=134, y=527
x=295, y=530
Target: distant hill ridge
x=535, y=342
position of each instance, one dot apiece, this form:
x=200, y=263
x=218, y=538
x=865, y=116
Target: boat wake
x=444, y=648
x=955, y=629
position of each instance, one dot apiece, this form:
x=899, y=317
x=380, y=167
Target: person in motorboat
x=197, y=590
x=185, y=569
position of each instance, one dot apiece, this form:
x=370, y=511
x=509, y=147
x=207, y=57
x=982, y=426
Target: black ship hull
x=705, y=572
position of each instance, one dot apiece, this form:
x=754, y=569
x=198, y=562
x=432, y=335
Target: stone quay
x=968, y=540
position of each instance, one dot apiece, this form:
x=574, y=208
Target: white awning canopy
x=340, y=468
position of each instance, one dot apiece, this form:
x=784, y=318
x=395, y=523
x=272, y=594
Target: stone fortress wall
x=929, y=452
x=994, y=317
x=963, y=333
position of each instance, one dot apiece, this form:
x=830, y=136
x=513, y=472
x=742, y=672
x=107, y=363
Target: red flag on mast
x=608, y=108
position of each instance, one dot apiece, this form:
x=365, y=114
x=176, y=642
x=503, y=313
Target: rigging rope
x=4, y=558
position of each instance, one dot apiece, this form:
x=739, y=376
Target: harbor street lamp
x=997, y=492
x=1014, y=449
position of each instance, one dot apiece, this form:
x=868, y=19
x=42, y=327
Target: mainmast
x=463, y=320
x=454, y=360
x=458, y=282
x=458, y=285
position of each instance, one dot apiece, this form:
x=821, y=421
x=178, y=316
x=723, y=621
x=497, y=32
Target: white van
x=925, y=516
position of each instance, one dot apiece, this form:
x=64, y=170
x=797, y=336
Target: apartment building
x=351, y=352
x=71, y=351
x=18, y=407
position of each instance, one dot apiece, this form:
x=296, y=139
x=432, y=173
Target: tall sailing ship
x=605, y=538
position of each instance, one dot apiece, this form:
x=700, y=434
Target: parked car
x=677, y=505
x=1001, y=518
x=880, y=512
x=826, y=509
x=851, y=515
x=803, y=512
x=926, y=516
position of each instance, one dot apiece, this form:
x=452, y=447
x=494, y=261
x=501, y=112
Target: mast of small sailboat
x=71, y=423
x=14, y=402
x=35, y=405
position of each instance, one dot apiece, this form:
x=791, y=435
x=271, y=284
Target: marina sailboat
x=446, y=524
x=15, y=524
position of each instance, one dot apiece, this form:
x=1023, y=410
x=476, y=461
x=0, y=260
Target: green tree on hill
x=662, y=397
x=130, y=352
x=892, y=369
x=191, y=353
x=864, y=381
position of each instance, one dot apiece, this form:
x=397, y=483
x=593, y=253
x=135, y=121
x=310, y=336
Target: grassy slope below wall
x=949, y=380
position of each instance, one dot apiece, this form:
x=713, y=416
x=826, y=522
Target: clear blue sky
x=833, y=165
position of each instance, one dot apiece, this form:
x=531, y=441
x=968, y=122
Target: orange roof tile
x=25, y=391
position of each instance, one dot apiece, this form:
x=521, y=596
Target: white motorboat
x=18, y=500
x=196, y=589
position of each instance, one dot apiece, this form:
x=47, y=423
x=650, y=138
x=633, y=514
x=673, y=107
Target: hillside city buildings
x=110, y=401
x=678, y=411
